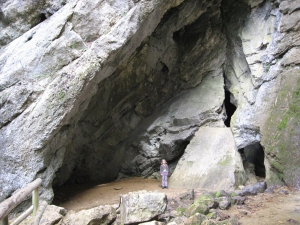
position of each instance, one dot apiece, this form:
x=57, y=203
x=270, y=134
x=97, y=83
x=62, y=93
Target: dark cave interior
x=230, y=108
x=255, y=154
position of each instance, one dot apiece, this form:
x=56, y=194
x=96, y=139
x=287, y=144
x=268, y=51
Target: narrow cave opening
x=253, y=159
x=42, y=17
x=229, y=107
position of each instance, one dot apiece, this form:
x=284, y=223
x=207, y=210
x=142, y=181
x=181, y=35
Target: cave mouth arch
x=254, y=154
x=229, y=107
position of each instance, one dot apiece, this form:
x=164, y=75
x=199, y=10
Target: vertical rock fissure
x=229, y=107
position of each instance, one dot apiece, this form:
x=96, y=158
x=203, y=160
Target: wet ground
x=280, y=206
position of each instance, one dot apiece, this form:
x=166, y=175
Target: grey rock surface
x=141, y=206
x=95, y=90
x=98, y=215
x=17, y=17
x=254, y=189
x=210, y=161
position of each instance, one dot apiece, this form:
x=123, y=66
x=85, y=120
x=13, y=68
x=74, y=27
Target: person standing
x=164, y=171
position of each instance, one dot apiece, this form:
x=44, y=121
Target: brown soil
x=282, y=206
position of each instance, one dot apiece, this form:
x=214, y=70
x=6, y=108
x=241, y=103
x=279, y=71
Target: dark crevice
x=188, y=36
x=42, y=17
x=255, y=154
x=229, y=107
x=165, y=69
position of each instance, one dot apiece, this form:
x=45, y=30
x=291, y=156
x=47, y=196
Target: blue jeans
x=164, y=180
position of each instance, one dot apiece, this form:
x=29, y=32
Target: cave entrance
x=229, y=107
x=254, y=156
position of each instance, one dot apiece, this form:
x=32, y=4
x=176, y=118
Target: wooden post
x=4, y=221
x=35, y=200
x=23, y=216
x=42, y=207
x=9, y=204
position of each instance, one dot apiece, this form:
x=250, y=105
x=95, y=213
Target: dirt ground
x=281, y=206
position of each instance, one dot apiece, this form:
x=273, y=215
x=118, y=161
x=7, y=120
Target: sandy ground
x=282, y=206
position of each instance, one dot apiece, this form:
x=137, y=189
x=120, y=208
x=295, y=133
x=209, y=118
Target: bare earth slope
x=282, y=206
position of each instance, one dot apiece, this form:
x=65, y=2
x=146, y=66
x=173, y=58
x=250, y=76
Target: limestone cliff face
x=95, y=90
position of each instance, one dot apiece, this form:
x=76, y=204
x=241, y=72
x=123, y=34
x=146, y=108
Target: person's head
x=163, y=161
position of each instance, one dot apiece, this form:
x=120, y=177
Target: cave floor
x=281, y=206
x=85, y=197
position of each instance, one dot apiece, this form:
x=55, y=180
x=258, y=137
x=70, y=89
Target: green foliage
x=218, y=194
x=233, y=194
x=212, y=215
x=204, y=198
x=277, y=166
x=181, y=210
x=283, y=123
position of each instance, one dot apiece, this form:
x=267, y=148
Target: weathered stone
x=224, y=203
x=208, y=222
x=180, y=220
x=238, y=200
x=172, y=223
x=52, y=215
x=195, y=219
x=141, y=206
x=18, y=17
x=97, y=215
x=222, y=193
x=231, y=221
x=212, y=214
x=212, y=151
x=198, y=207
x=291, y=57
x=153, y=223
x=189, y=195
x=252, y=189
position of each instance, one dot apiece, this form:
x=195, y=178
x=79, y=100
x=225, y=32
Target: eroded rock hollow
x=93, y=91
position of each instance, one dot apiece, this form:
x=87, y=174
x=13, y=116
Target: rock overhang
x=86, y=116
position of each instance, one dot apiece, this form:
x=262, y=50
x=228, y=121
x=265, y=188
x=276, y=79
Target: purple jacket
x=164, y=169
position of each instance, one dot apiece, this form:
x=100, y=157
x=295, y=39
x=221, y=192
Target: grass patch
x=181, y=211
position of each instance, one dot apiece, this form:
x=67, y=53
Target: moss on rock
x=282, y=132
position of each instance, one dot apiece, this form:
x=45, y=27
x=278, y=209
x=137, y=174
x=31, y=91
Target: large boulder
x=52, y=215
x=141, y=206
x=211, y=161
x=98, y=215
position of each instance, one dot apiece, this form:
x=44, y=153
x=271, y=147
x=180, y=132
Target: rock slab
x=211, y=161
x=141, y=206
